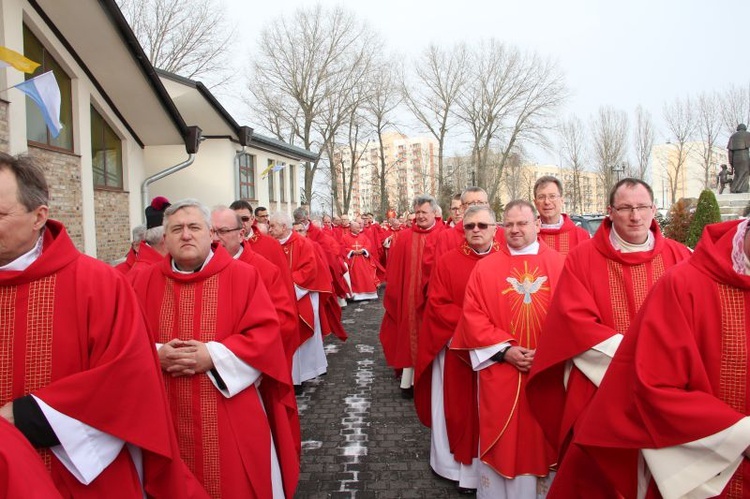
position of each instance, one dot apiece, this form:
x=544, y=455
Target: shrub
x=707, y=212
x=679, y=220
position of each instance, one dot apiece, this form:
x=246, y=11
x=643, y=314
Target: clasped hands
x=184, y=358
x=519, y=357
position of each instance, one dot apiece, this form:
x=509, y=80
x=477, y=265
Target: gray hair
x=469, y=189
x=33, y=191
x=188, y=203
x=154, y=235
x=473, y=210
x=300, y=214
x=139, y=233
x=281, y=217
x=220, y=207
x=425, y=198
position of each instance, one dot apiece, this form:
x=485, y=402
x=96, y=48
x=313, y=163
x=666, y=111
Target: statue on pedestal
x=739, y=159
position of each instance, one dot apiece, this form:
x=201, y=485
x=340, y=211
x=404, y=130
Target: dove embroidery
x=527, y=287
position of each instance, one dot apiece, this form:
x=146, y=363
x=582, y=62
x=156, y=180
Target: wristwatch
x=500, y=356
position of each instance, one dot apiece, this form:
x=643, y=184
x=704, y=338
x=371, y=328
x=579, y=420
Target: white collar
x=621, y=245
x=531, y=249
x=24, y=261
x=178, y=271
x=283, y=241
x=239, y=252
x=555, y=225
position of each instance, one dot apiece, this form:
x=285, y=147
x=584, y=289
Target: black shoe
x=407, y=393
x=465, y=491
x=298, y=389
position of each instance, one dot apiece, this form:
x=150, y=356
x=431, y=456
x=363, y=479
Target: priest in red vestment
x=456, y=211
x=230, y=233
x=266, y=246
x=604, y=283
x=506, y=301
x=676, y=393
x=22, y=472
x=312, y=288
x=363, y=265
x=79, y=376
x=445, y=386
x=404, y=294
x=139, y=232
x=558, y=231
x=223, y=363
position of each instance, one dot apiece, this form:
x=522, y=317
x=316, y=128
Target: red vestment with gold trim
x=362, y=269
x=566, y=237
x=682, y=371
x=226, y=441
x=71, y=334
x=445, y=300
x=506, y=300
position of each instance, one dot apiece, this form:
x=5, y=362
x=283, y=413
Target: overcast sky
x=613, y=53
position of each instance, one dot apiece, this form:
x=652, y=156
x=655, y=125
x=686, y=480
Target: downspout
x=193, y=139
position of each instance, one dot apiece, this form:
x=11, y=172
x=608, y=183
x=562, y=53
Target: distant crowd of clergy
x=546, y=362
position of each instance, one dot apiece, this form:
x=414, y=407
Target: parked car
x=589, y=222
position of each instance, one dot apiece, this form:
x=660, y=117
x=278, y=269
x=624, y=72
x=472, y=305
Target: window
x=246, y=175
x=271, y=190
x=292, y=182
x=36, y=129
x=282, y=185
x=106, y=153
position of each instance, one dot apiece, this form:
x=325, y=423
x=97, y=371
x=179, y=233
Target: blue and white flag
x=43, y=90
x=279, y=166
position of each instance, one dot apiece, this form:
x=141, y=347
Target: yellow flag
x=17, y=60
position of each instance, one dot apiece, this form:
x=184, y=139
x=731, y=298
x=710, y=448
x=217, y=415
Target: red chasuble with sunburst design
x=600, y=291
x=226, y=441
x=506, y=301
x=682, y=371
x=71, y=334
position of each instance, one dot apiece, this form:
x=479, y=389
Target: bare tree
x=316, y=61
x=384, y=99
x=573, y=150
x=708, y=127
x=609, y=130
x=680, y=121
x=439, y=75
x=735, y=107
x=191, y=38
x=643, y=141
x=510, y=98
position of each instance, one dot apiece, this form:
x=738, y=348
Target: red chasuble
x=404, y=295
x=72, y=335
x=22, y=473
x=125, y=266
x=600, y=291
x=332, y=257
x=566, y=237
x=681, y=373
x=362, y=269
x=506, y=301
x=226, y=441
x=281, y=291
x=445, y=301
x=269, y=248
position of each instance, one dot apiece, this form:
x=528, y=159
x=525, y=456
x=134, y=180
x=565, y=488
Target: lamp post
x=618, y=169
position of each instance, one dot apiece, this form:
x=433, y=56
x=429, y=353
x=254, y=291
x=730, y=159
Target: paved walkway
x=359, y=437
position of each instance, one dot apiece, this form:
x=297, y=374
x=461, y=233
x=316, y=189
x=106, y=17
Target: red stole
x=600, y=292
x=506, y=301
x=566, y=237
x=404, y=295
x=681, y=372
x=226, y=441
x=443, y=310
x=71, y=333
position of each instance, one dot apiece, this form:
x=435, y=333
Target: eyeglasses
x=456, y=209
x=480, y=225
x=520, y=225
x=476, y=203
x=224, y=232
x=627, y=210
x=245, y=218
x=551, y=197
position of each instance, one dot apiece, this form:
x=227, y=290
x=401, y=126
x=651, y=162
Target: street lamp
x=618, y=169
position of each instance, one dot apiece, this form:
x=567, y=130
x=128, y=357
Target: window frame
x=119, y=166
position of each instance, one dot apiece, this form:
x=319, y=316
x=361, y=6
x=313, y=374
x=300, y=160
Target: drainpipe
x=192, y=142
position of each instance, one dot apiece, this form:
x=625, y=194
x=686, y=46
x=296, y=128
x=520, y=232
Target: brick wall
x=112, y=224
x=63, y=172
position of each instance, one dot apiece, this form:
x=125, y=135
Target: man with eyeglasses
x=222, y=358
x=455, y=211
x=230, y=233
x=404, y=295
x=445, y=388
x=261, y=215
x=505, y=305
x=263, y=244
x=557, y=230
x=603, y=285
x=676, y=393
